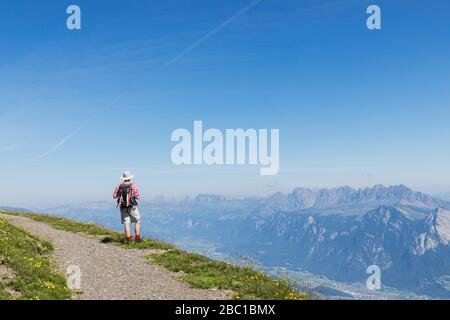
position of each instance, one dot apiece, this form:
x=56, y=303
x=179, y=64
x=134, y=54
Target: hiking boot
x=127, y=240
x=138, y=239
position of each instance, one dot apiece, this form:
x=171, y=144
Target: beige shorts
x=130, y=215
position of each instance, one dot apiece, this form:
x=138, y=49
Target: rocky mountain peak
x=384, y=215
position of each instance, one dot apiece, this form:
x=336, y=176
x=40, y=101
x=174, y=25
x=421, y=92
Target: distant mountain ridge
x=347, y=197
x=300, y=199
x=14, y=209
x=93, y=205
x=334, y=232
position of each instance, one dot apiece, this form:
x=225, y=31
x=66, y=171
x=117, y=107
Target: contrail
x=65, y=139
x=219, y=28
x=56, y=146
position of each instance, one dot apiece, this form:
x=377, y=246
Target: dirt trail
x=110, y=272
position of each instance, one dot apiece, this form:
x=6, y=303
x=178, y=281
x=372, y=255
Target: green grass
x=247, y=283
x=197, y=270
x=103, y=234
x=4, y=295
x=29, y=260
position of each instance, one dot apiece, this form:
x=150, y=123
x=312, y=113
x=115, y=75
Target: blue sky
x=354, y=107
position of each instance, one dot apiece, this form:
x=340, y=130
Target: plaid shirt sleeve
x=115, y=193
x=135, y=190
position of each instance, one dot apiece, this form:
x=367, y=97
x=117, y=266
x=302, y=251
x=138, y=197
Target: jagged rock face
x=278, y=202
x=329, y=242
x=303, y=198
x=439, y=225
x=407, y=251
x=436, y=232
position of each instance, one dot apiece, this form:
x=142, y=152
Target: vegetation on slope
x=202, y=272
x=103, y=234
x=26, y=259
x=199, y=271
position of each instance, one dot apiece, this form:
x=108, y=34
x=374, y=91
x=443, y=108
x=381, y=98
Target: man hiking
x=127, y=194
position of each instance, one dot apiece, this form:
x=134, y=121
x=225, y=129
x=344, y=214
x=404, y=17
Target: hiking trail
x=109, y=272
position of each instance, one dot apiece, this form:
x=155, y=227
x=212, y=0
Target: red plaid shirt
x=134, y=191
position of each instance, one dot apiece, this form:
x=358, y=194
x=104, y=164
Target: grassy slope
x=197, y=270
x=28, y=259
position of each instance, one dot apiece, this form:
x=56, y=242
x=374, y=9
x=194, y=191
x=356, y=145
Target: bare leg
x=127, y=229
x=137, y=228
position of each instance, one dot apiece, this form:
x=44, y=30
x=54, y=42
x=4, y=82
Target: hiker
x=127, y=194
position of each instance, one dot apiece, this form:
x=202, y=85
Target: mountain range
x=335, y=233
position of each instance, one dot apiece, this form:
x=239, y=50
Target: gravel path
x=110, y=272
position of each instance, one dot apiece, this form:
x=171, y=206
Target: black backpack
x=126, y=198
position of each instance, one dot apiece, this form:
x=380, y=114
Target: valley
x=332, y=234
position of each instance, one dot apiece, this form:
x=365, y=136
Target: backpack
x=125, y=198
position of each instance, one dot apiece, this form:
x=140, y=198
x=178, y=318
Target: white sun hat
x=127, y=176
